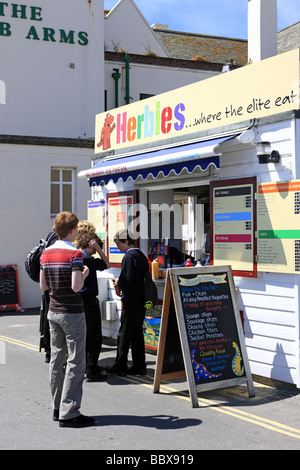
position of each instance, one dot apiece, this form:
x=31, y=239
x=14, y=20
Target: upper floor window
x=62, y=190
x=144, y=96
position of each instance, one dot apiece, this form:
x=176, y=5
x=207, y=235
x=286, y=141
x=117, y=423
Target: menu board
x=9, y=287
x=278, y=225
x=173, y=359
x=121, y=211
x=96, y=213
x=233, y=225
x=211, y=327
x=208, y=322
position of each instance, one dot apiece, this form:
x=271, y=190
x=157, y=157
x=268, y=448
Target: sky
x=226, y=18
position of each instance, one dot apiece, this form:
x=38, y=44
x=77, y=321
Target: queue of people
x=69, y=274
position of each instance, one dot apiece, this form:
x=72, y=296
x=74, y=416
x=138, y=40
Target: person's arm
x=127, y=275
x=102, y=255
x=43, y=282
x=78, y=278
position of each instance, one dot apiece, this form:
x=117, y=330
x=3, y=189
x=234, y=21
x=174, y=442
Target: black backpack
x=150, y=291
x=32, y=261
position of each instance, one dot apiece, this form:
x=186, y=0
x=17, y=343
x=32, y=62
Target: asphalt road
x=129, y=416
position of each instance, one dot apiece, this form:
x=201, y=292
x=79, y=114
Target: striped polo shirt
x=58, y=261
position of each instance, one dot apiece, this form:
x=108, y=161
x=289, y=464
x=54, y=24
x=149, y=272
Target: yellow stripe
x=259, y=421
x=19, y=343
x=203, y=402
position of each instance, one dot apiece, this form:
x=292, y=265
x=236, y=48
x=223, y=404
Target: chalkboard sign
x=173, y=359
x=9, y=288
x=201, y=332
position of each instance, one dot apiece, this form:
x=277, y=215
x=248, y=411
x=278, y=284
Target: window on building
x=144, y=96
x=62, y=190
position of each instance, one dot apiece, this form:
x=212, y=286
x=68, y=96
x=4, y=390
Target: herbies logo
x=152, y=122
x=108, y=127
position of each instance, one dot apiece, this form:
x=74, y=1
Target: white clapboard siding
x=283, y=374
x=269, y=344
x=269, y=331
x=267, y=357
x=269, y=304
x=271, y=316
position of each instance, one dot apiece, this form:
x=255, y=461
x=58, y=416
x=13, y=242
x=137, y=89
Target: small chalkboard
x=9, y=288
x=201, y=334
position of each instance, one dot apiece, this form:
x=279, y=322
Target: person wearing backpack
x=32, y=267
x=131, y=285
x=44, y=322
x=63, y=274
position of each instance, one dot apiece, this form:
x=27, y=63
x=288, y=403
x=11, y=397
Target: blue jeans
x=67, y=364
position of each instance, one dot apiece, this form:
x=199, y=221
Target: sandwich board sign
x=9, y=288
x=201, y=335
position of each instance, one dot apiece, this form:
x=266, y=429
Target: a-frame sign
x=201, y=335
x=9, y=288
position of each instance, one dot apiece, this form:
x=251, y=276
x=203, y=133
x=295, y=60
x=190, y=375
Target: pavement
x=131, y=421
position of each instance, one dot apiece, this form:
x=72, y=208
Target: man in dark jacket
x=131, y=285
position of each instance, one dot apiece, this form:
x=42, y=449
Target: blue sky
x=216, y=17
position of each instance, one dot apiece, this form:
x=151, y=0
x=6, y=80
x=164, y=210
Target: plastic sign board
x=233, y=225
x=278, y=225
x=121, y=214
x=254, y=91
x=96, y=214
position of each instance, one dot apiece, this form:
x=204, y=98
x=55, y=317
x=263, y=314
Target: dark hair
x=99, y=241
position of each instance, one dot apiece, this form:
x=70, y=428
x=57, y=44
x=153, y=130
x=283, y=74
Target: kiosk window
x=182, y=219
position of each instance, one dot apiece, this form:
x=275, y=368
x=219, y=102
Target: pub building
x=209, y=174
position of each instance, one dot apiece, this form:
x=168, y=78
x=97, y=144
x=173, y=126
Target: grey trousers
x=67, y=363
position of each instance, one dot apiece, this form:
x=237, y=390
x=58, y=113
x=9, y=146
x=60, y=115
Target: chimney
x=163, y=27
x=262, y=29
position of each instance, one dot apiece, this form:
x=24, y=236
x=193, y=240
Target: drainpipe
x=116, y=76
x=127, y=97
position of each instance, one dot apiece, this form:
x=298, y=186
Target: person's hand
x=85, y=272
x=117, y=288
x=94, y=244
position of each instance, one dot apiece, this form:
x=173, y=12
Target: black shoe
x=99, y=377
x=47, y=358
x=78, y=422
x=115, y=370
x=137, y=370
x=55, y=415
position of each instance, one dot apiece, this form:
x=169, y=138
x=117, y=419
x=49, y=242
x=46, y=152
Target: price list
x=278, y=222
x=211, y=328
x=234, y=225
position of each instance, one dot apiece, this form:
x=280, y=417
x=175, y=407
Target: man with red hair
x=63, y=274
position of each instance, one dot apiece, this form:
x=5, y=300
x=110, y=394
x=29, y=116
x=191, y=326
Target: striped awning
x=157, y=163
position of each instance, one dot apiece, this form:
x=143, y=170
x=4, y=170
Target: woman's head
x=86, y=233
